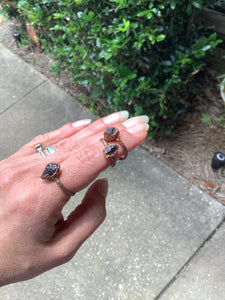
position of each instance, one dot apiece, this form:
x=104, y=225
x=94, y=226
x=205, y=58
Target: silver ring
x=39, y=149
x=50, y=150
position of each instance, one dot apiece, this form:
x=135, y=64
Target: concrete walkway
x=162, y=239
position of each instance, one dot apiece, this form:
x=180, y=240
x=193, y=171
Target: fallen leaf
x=209, y=185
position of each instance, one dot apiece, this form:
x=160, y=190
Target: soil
x=188, y=149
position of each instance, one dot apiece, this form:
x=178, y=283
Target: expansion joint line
x=189, y=260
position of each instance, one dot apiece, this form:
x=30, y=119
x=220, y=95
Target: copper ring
x=112, y=134
x=110, y=151
x=51, y=172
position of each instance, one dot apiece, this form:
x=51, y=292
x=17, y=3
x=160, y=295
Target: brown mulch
x=188, y=149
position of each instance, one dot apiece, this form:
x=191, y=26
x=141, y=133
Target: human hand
x=34, y=237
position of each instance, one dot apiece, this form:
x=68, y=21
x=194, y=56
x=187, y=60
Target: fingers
x=85, y=137
x=52, y=137
x=72, y=129
x=80, y=167
x=82, y=222
x=65, y=131
x=80, y=161
x=101, y=124
x=78, y=142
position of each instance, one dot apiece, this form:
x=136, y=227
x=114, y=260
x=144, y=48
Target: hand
x=34, y=237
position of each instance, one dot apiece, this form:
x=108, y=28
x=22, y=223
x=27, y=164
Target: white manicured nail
x=138, y=129
x=124, y=115
x=145, y=119
x=116, y=117
x=81, y=123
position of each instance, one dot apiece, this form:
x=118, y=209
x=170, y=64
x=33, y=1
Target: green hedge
x=135, y=55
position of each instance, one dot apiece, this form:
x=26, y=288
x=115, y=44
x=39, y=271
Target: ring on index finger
x=52, y=172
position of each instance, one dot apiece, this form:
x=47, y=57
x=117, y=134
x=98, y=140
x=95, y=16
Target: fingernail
x=136, y=120
x=81, y=123
x=145, y=119
x=138, y=129
x=124, y=115
x=103, y=187
x=118, y=116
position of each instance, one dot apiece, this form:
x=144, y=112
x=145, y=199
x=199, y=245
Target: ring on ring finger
x=48, y=151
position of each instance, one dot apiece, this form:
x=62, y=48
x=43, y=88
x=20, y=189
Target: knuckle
x=42, y=138
x=63, y=254
x=85, y=156
x=8, y=176
x=63, y=143
x=23, y=203
x=88, y=154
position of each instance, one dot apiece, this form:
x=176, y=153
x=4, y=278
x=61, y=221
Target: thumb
x=84, y=220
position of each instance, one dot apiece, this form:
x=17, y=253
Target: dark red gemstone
x=111, y=150
x=111, y=133
x=111, y=130
x=50, y=171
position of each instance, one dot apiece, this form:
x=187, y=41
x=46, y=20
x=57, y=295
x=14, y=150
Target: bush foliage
x=135, y=55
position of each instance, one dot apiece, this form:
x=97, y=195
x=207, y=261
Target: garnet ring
x=110, y=151
x=112, y=134
x=52, y=172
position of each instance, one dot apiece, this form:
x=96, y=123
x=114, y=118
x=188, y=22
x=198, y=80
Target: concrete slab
x=203, y=278
x=16, y=78
x=155, y=223
x=43, y=109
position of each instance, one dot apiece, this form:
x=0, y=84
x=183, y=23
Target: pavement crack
x=25, y=95
x=186, y=264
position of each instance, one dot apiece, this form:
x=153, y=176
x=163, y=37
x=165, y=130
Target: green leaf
x=197, y=4
x=189, y=9
x=207, y=47
x=142, y=13
x=58, y=16
x=172, y=5
x=160, y=37
x=91, y=15
x=99, y=64
x=126, y=25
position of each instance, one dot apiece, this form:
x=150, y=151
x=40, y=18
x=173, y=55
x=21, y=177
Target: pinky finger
x=52, y=137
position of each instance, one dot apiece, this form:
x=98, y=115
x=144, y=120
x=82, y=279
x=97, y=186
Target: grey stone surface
x=156, y=221
x=16, y=78
x=44, y=109
x=203, y=278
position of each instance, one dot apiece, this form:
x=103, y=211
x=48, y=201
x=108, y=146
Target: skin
x=34, y=237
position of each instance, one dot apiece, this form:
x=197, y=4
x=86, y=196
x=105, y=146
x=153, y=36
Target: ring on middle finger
x=112, y=134
x=110, y=151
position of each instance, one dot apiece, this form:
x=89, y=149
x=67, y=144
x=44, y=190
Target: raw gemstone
x=50, y=171
x=112, y=130
x=111, y=133
x=111, y=150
